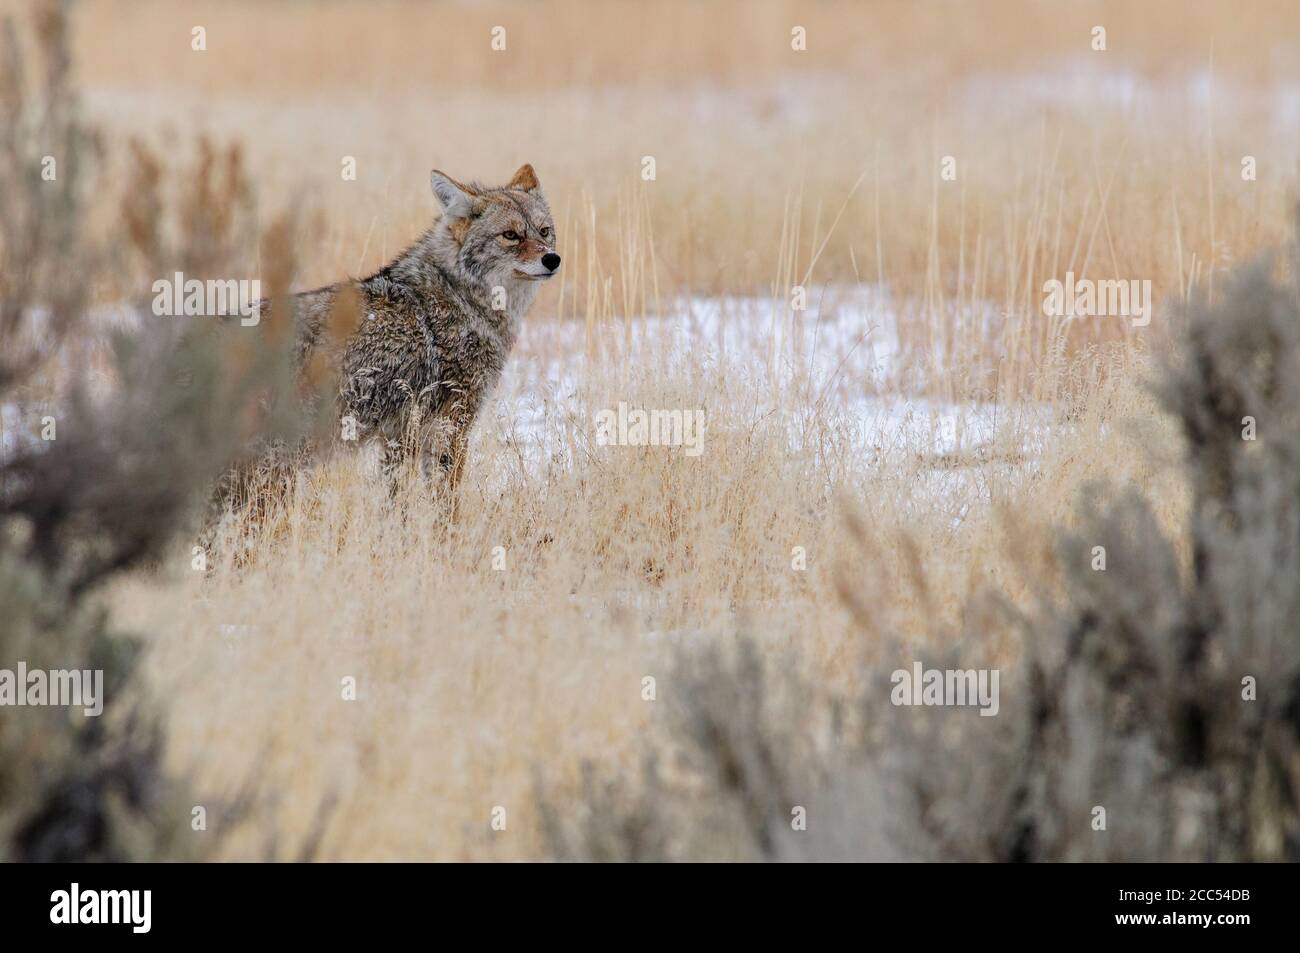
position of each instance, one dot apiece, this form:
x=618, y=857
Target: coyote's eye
x=546, y=233
x=510, y=236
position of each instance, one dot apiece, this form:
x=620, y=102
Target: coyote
x=436, y=325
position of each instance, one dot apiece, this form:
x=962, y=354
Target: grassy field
x=481, y=672
x=495, y=657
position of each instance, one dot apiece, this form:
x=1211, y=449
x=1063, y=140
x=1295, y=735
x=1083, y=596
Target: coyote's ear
x=455, y=198
x=525, y=180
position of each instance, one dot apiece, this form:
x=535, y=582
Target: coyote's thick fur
x=436, y=325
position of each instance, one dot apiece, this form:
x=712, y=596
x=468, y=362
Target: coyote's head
x=501, y=237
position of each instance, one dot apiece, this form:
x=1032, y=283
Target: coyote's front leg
x=445, y=462
x=459, y=450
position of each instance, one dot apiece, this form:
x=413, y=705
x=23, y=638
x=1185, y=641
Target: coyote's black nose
x=551, y=260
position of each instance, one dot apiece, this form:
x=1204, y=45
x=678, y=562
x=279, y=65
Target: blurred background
x=792, y=142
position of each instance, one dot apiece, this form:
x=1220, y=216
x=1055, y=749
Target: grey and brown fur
x=437, y=324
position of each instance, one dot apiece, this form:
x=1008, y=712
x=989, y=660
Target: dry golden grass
x=473, y=682
x=775, y=168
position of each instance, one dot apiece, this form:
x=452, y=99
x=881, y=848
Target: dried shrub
x=145, y=424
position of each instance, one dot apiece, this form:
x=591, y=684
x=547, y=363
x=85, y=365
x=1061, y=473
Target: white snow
x=835, y=361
